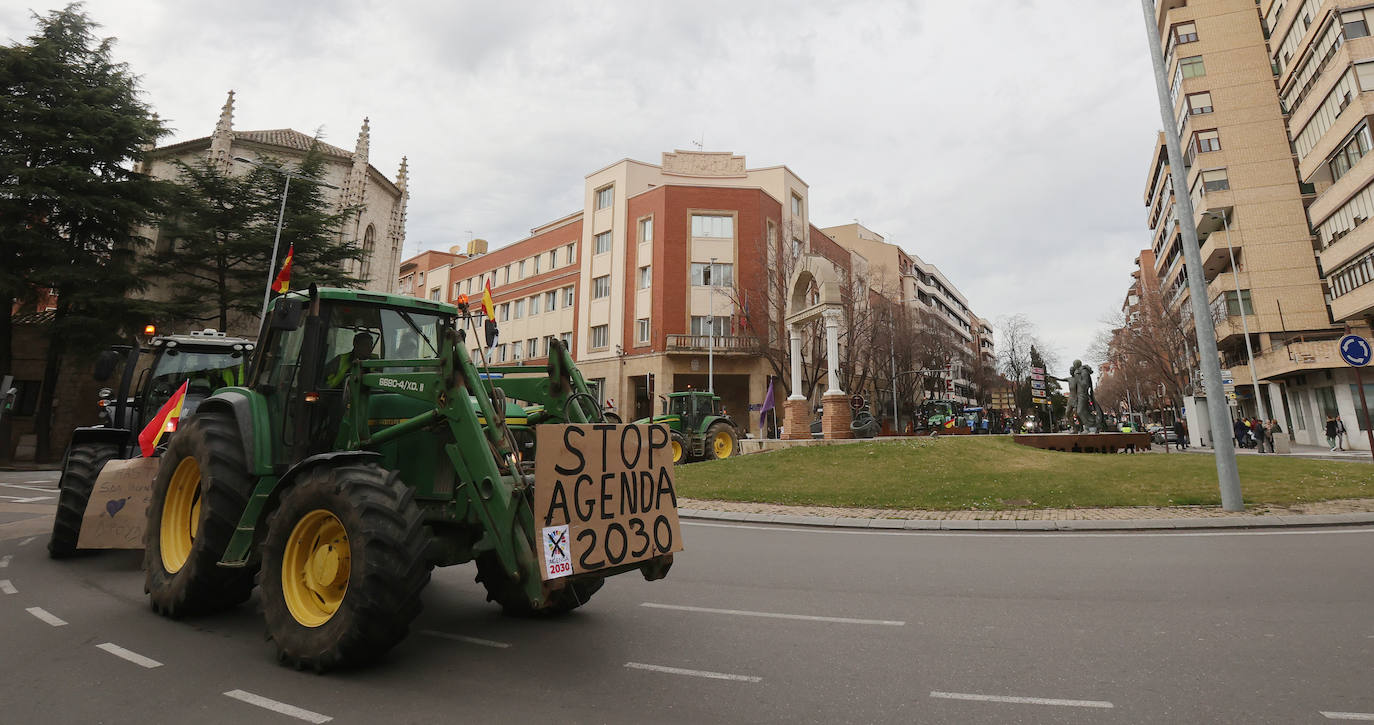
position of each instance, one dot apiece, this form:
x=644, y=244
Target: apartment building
x=1235, y=115
x=1323, y=56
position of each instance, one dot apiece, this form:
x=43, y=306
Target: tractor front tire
x=79, y=471
x=508, y=593
x=202, y=488
x=343, y=565
x=722, y=441
x=681, y=453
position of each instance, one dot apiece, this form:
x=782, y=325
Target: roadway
x=755, y=623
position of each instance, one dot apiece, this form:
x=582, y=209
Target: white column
x=832, y=351
x=796, y=363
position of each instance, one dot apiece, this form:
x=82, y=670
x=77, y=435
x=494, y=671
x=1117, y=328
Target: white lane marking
x=5, y=560
x=278, y=707
x=462, y=638
x=27, y=541
x=46, y=616
x=29, y=488
x=1022, y=700
x=775, y=615
x=129, y=655
x=28, y=499
x=43, y=480
x=7, y=587
x=1028, y=535
x=1348, y=715
x=693, y=673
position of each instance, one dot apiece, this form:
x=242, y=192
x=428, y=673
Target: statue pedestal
x=796, y=420
x=835, y=423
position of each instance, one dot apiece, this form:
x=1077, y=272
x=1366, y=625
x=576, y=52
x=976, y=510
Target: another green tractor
x=698, y=428
x=366, y=448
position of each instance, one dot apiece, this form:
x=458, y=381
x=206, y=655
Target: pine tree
x=72, y=125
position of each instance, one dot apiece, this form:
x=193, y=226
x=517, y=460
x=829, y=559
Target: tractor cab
x=698, y=429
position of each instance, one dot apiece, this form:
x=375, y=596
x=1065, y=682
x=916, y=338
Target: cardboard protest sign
x=603, y=496
x=118, y=508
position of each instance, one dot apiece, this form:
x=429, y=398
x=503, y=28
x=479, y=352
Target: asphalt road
x=1241, y=627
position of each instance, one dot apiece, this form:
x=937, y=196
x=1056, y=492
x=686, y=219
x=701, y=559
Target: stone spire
x=396, y=227
x=355, y=188
x=222, y=139
x=144, y=165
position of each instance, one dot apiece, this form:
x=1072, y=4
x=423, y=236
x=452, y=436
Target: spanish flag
x=488, y=307
x=164, y=422
x=282, y=284
x=949, y=423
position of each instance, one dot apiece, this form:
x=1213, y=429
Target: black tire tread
x=381, y=600
x=508, y=593
x=709, y=449
x=83, y=465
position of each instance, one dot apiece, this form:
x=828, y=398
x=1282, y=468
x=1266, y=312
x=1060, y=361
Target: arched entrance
x=815, y=293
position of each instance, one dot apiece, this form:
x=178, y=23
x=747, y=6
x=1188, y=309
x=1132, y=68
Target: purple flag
x=767, y=406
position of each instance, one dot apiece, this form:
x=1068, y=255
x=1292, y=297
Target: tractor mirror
x=105, y=365
x=287, y=314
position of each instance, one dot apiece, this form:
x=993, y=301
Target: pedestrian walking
x=1331, y=432
x=1342, y=438
x=1180, y=434
x=1241, y=432
x=1267, y=442
x=1257, y=431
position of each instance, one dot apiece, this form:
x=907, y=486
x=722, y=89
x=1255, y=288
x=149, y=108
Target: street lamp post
x=1244, y=325
x=711, y=331
x=281, y=216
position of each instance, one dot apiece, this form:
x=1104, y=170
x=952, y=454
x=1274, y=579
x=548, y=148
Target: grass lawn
x=992, y=472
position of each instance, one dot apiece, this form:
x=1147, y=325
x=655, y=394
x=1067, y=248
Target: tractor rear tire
x=722, y=441
x=508, y=593
x=343, y=565
x=681, y=452
x=79, y=471
x=206, y=476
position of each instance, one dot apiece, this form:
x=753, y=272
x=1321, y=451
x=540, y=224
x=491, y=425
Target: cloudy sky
x=1005, y=141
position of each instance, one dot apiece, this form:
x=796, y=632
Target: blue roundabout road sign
x=1355, y=350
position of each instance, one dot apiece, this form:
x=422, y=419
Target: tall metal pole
x=1228, y=478
x=276, y=242
x=711, y=328
x=892, y=352
x=1244, y=326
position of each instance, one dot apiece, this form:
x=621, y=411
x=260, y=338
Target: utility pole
x=1228, y=477
x=711, y=329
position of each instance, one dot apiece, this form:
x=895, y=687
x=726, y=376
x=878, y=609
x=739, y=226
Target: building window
x=434, y=294
x=1215, y=180
x=569, y=249
x=1191, y=67
x=1204, y=141
x=567, y=339
x=646, y=230
x=456, y=290
x=501, y=352
x=569, y=296
x=534, y=305
x=600, y=337
x=1185, y=32
x=642, y=329
x=1355, y=24
x=369, y=248
x=551, y=300
x=504, y=311
x=701, y=325
x=601, y=243
x=605, y=196
x=507, y=279
x=796, y=247
x=713, y=275
x=601, y=287
x=515, y=348
x=520, y=269
x=1350, y=153
x=1238, y=303
x=536, y=264
x=796, y=205
x=519, y=309
x=713, y=226
x=532, y=347
x=646, y=277
x=1200, y=103
x=553, y=259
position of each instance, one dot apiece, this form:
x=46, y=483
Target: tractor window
x=679, y=405
x=206, y=371
x=409, y=335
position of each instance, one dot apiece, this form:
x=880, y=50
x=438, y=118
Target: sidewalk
x=1322, y=513
x=1316, y=453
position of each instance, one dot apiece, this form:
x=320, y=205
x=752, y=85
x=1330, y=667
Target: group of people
x=1335, y=432
x=1257, y=433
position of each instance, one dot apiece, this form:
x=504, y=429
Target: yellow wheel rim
x=677, y=452
x=315, y=568
x=724, y=445
x=180, y=515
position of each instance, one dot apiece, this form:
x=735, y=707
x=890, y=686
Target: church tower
x=396, y=229
x=222, y=140
x=355, y=189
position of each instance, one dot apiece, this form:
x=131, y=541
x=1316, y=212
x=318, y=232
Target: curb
x=1237, y=522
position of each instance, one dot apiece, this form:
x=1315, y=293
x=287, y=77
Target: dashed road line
x=693, y=673
x=7, y=587
x=129, y=655
x=1022, y=700
x=40, y=489
x=775, y=615
x=5, y=560
x=1348, y=715
x=463, y=638
x=27, y=541
x=278, y=707
x=46, y=616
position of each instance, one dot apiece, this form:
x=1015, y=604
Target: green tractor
x=366, y=448
x=698, y=428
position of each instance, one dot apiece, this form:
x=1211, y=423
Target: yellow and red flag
x=164, y=422
x=282, y=284
x=488, y=307
x=949, y=423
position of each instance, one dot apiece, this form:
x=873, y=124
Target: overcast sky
x=1004, y=141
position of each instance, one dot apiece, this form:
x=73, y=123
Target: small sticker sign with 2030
x=557, y=560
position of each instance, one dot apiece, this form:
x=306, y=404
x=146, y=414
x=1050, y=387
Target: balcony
x=1354, y=304
x=1348, y=245
x=722, y=344
x=1296, y=357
